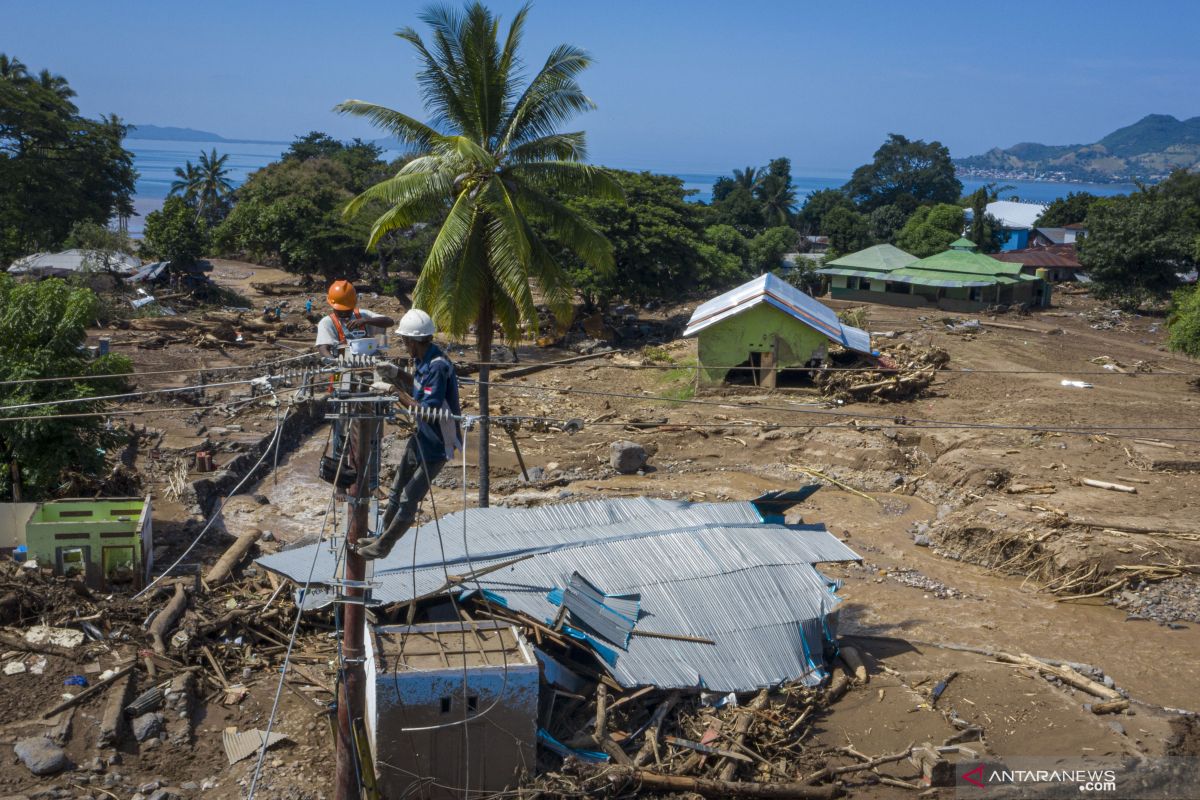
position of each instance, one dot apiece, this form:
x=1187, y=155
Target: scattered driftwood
x=650, y=746
x=15, y=641
x=90, y=691
x=1112, y=487
x=165, y=621
x=1110, y=706
x=740, y=727
x=854, y=663
x=232, y=557
x=1063, y=673
x=718, y=788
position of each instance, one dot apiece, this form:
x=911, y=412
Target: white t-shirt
x=327, y=331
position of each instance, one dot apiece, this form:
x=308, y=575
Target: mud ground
x=965, y=504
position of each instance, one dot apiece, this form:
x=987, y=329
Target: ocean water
x=156, y=161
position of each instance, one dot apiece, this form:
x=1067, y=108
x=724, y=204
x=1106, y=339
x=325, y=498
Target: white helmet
x=415, y=324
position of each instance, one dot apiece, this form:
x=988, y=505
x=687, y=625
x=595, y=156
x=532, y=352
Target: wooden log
x=112, y=723
x=1063, y=673
x=1110, y=707
x=740, y=728
x=14, y=641
x=232, y=557
x=839, y=682
x=719, y=788
x=704, y=748
x=166, y=618
x=91, y=691
x=521, y=372
x=1112, y=487
x=854, y=663
x=675, y=637
x=650, y=746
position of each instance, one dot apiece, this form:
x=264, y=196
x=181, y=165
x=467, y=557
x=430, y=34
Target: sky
x=699, y=86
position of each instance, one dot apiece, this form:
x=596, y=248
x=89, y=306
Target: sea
x=156, y=161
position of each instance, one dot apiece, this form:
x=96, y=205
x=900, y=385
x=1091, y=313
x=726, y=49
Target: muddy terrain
x=967, y=502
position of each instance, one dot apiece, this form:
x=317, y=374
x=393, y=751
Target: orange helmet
x=342, y=296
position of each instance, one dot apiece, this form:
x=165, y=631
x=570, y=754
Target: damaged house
x=764, y=326
x=636, y=592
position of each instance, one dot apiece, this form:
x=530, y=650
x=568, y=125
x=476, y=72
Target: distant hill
x=168, y=133
x=1147, y=150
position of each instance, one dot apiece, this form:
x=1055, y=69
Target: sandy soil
x=941, y=465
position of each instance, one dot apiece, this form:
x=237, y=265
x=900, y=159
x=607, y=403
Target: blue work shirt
x=435, y=385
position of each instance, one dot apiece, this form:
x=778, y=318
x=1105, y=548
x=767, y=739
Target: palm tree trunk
x=483, y=338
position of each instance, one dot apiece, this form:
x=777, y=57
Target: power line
x=189, y=370
x=744, y=365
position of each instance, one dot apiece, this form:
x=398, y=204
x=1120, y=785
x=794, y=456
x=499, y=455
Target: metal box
x=452, y=708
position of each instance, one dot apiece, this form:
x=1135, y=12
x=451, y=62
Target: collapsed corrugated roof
x=713, y=571
x=782, y=295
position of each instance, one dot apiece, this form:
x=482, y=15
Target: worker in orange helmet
x=347, y=321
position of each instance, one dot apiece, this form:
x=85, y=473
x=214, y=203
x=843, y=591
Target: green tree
x=985, y=230
x=43, y=326
x=905, y=172
x=290, y=213
x=768, y=248
x=186, y=183
x=885, y=222
x=213, y=187
x=775, y=192
x=1183, y=323
x=174, y=233
x=931, y=229
x=662, y=244
x=492, y=153
x=56, y=167
x=363, y=160
x=1138, y=244
x=1067, y=210
x=739, y=209
x=817, y=205
x=847, y=230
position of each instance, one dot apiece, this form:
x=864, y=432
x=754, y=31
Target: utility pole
x=361, y=436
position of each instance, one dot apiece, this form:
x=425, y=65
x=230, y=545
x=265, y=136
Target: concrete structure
x=958, y=279
x=423, y=681
x=109, y=542
x=767, y=325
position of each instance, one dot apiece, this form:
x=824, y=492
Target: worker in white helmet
x=435, y=386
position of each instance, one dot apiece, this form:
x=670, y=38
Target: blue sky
x=699, y=86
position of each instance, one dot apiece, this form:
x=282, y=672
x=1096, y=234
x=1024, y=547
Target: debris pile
x=903, y=372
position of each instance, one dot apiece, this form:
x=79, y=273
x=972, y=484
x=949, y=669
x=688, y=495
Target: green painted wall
x=92, y=525
x=731, y=341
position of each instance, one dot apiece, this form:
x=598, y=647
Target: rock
x=921, y=540
x=147, y=788
x=190, y=786
x=147, y=726
x=267, y=536
x=41, y=756
x=96, y=764
x=1117, y=727
x=161, y=794
x=536, y=474
x=627, y=457
x=208, y=783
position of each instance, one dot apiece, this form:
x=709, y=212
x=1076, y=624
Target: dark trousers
x=411, y=483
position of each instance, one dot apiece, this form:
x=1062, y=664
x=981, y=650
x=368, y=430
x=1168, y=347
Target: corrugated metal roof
x=779, y=293
x=1014, y=215
x=709, y=570
x=880, y=258
x=69, y=261
x=1055, y=255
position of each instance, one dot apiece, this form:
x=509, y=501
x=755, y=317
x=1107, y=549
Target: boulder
x=147, y=726
x=627, y=457
x=41, y=756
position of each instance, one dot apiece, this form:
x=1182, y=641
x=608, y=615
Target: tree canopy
x=931, y=229
x=56, y=166
x=1067, y=210
x=905, y=172
x=42, y=328
x=175, y=233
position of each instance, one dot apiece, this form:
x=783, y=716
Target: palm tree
x=211, y=184
x=749, y=178
x=491, y=158
x=11, y=68
x=778, y=199
x=187, y=179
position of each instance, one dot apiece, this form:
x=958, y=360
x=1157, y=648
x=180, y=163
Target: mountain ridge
x=1147, y=150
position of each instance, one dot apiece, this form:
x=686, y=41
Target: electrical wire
x=217, y=514
x=262, y=754
x=125, y=396
x=744, y=365
x=156, y=372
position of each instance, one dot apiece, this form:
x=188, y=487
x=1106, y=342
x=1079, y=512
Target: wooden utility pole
x=352, y=687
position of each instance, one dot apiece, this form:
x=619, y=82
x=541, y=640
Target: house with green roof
x=958, y=279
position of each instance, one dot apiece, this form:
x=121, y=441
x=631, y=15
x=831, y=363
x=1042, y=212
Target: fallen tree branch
x=166, y=618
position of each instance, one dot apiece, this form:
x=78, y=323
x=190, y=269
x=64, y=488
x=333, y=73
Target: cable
x=262, y=754
x=833, y=413
x=157, y=372
x=745, y=365
x=273, y=443
x=126, y=396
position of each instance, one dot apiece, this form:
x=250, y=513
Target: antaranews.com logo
x=1129, y=778
x=1087, y=780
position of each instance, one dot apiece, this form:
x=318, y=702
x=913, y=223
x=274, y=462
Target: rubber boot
x=379, y=546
